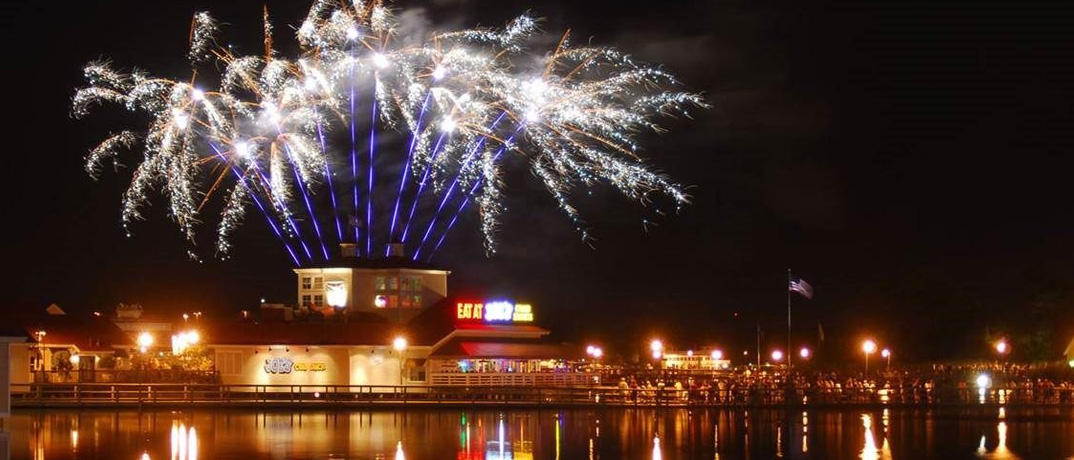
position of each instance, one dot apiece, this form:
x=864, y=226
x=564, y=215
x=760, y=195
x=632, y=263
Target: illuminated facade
x=688, y=360
x=364, y=306
x=394, y=287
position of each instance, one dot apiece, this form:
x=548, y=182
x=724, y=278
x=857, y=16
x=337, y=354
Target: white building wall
x=374, y=366
x=19, y=369
x=333, y=361
x=343, y=365
x=6, y=346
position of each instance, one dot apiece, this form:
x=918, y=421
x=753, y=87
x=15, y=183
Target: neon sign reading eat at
x=498, y=311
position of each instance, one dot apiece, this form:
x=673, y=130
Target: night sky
x=911, y=160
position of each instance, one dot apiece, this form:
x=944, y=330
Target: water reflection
x=525, y=435
x=1001, y=451
x=869, y=451
x=184, y=442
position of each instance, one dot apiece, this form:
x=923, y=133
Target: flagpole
x=758, y=345
x=789, y=353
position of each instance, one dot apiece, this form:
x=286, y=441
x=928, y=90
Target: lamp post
x=399, y=344
x=145, y=340
x=40, y=336
x=886, y=354
x=1002, y=347
x=657, y=347
x=777, y=356
x=869, y=347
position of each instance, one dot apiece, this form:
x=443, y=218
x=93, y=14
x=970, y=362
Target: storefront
x=361, y=352
x=495, y=343
x=452, y=343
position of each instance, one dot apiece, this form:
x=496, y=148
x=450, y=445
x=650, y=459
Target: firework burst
x=371, y=138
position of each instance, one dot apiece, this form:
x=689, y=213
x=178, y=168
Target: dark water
x=546, y=434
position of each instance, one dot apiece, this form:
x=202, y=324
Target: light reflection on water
x=1004, y=433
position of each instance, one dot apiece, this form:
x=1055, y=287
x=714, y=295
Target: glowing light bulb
x=868, y=347
x=717, y=355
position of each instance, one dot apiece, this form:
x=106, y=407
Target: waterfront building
x=688, y=360
x=380, y=322
x=351, y=315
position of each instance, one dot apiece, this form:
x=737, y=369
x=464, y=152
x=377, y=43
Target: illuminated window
x=412, y=284
x=386, y=301
x=318, y=300
x=307, y=282
x=378, y=284
x=412, y=301
x=318, y=283
x=306, y=300
x=393, y=283
x=415, y=370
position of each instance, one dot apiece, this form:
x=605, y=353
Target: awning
x=461, y=348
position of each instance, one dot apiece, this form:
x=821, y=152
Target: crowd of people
x=940, y=384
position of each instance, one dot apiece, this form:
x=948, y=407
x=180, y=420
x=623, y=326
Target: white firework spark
x=465, y=101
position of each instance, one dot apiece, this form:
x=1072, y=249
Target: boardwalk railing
x=102, y=395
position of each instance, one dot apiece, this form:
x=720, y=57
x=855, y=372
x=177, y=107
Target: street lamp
x=399, y=344
x=40, y=335
x=145, y=340
x=1002, y=347
x=869, y=347
x=777, y=356
x=594, y=351
x=657, y=347
x=717, y=355
x=805, y=353
x=886, y=354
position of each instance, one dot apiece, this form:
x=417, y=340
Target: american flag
x=802, y=287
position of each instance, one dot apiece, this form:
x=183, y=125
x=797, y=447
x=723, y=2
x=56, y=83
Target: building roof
x=438, y=321
x=87, y=333
x=379, y=263
x=366, y=330
x=467, y=347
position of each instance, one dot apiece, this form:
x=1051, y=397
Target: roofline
x=486, y=333
x=429, y=271
x=311, y=345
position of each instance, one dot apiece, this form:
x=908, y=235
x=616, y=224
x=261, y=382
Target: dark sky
x=912, y=160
